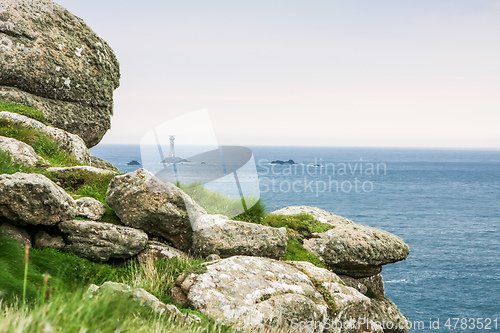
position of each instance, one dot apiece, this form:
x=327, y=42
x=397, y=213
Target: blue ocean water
x=444, y=203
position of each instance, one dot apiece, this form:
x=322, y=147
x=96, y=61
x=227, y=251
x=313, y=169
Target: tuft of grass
x=296, y=252
x=304, y=225
x=329, y=300
x=7, y=165
x=24, y=110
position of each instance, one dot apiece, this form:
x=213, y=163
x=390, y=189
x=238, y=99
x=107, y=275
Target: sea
x=445, y=204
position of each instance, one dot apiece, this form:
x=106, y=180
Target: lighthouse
x=172, y=148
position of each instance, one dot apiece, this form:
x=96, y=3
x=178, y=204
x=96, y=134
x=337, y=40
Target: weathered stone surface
x=20, y=152
x=157, y=250
x=354, y=307
x=101, y=241
x=70, y=144
x=102, y=164
x=375, y=283
x=140, y=296
x=349, y=248
x=319, y=214
x=44, y=240
x=143, y=201
x=354, y=283
x=253, y=293
x=90, y=208
x=53, y=61
x=212, y=257
x=34, y=199
x=216, y=234
x=90, y=169
x=16, y=233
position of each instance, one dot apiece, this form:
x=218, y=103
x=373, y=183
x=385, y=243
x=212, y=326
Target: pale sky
x=415, y=73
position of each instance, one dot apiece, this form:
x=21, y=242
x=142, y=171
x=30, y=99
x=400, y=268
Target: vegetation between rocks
x=25, y=111
x=64, y=307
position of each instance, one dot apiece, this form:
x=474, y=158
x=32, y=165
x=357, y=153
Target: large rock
x=34, y=199
x=143, y=201
x=216, y=234
x=349, y=248
x=70, y=144
x=254, y=293
x=53, y=61
x=20, y=152
x=101, y=241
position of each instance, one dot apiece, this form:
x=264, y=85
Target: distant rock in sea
x=174, y=160
x=279, y=162
x=134, y=162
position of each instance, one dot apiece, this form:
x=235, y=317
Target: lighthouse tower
x=172, y=148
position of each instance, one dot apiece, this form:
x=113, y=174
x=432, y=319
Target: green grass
x=41, y=143
x=302, y=224
x=24, y=110
x=296, y=252
x=70, y=276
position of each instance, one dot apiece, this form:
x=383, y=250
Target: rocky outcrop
x=44, y=240
x=16, y=233
x=349, y=248
x=70, y=144
x=140, y=296
x=143, y=201
x=34, y=199
x=157, y=250
x=216, y=234
x=53, y=61
x=101, y=241
x=90, y=208
x=20, y=152
x=253, y=293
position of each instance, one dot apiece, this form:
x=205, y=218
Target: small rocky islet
x=245, y=282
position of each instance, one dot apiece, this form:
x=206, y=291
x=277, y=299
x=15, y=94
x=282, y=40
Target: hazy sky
x=336, y=73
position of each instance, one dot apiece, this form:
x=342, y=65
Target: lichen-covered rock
x=103, y=164
x=34, y=199
x=143, y=201
x=101, y=241
x=16, y=233
x=20, y=152
x=157, y=250
x=70, y=144
x=44, y=240
x=140, y=296
x=349, y=248
x=216, y=234
x=374, y=283
x=53, y=61
x=94, y=170
x=254, y=293
x=90, y=208
x=319, y=214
